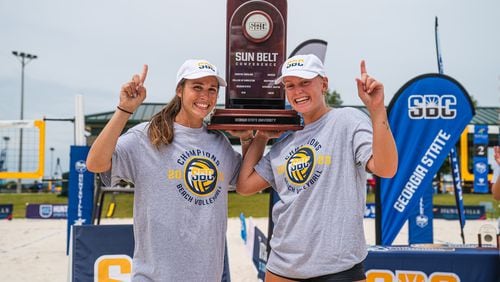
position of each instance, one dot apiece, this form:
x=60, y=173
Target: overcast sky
x=92, y=47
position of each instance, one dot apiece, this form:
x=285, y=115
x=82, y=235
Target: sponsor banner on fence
x=6, y=211
x=451, y=212
x=46, y=211
x=439, y=211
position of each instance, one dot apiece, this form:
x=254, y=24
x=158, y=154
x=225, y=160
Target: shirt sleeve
x=496, y=173
x=265, y=170
x=362, y=141
x=121, y=162
x=236, y=160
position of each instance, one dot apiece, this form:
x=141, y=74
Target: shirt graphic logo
x=206, y=66
x=200, y=176
x=295, y=63
x=300, y=165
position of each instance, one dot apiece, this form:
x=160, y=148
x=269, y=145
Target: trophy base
x=255, y=119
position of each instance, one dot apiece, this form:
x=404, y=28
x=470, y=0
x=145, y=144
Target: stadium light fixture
x=24, y=58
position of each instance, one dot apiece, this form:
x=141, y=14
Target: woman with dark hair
x=181, y=172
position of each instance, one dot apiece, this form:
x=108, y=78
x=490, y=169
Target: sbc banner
x=420, y=228
x=427, y=116
x=481, y=159
x=81, y=189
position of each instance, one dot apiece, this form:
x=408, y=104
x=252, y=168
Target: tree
x=333, y=98
x=473, y=100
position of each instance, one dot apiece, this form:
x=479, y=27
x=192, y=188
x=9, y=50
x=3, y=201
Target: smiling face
x=306, y=96
x=198, y=98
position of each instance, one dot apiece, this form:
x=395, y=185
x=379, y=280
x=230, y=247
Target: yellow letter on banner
x=112, y=268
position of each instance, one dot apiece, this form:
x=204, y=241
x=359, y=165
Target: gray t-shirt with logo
x=180, y=201
x=319, y=174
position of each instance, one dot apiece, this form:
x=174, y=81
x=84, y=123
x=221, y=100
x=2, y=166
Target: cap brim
x=221, y=80
x=297, y=73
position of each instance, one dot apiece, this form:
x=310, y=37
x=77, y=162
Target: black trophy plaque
x=255, y=51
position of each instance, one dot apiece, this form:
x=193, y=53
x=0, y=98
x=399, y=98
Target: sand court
x=35, y=250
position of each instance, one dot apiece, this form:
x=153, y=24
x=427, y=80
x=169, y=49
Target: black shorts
x=356, y=273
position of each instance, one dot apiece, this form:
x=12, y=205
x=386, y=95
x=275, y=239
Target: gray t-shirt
x=180, y=201
x=496, y=172
x=319, y=174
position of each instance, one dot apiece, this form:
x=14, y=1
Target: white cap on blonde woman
x=304, y=66
x=193, y=69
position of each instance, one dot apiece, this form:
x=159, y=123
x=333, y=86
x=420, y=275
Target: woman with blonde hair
x=319, y=174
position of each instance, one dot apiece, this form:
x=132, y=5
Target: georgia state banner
x=427, y=116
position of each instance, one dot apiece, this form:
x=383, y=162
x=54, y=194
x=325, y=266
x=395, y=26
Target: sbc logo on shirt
x=300, y=165
x=200, y=176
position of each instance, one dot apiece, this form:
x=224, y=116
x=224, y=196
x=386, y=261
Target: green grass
x=469, y=200
x=21, y=200
x=255, y=206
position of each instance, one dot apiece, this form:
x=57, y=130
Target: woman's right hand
x=269, y=134
x=133, y=93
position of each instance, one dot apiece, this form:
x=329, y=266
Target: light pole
x=51, y=162
x=24, y=58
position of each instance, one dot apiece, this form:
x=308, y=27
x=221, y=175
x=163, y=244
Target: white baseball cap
x=194, y=68
x=304, y=66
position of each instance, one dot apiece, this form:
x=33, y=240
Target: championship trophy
x=255, y=51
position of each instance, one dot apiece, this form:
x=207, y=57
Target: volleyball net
x=22, y=140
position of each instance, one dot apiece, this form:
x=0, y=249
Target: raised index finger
x=363, y=67
x=144, y=73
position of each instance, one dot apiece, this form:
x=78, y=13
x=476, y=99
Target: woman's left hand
x=370, y=90
x=242, y=134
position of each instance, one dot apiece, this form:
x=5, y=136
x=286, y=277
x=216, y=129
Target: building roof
x=484, y=115
x=143, y=113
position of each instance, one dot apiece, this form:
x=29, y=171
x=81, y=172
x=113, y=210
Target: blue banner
x=427, y=116
x=47, y=211
x=6, y=211
x=420, y=228
x=481, y=159
x=370, y=211
x=434, y=264
x=81, y=189
x=104, y=253
x=259, y=257
x=452, y=213
x=457, y=185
